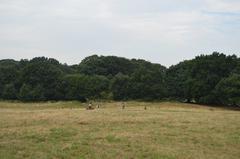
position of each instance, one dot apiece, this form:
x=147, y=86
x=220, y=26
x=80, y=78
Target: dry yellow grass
x=163, y=131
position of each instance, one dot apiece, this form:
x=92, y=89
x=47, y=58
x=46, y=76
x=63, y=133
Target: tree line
x=206, y=79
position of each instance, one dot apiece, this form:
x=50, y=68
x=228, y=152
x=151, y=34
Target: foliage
x=228, y=90
x=42, y=73
x=9, y=92
x=82, y=87
x=120, y=87
x=27, y=93
x=206, y=79
x=195, y=80
x=106, y=66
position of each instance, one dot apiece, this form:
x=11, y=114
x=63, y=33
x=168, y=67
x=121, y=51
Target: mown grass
x=65, y=130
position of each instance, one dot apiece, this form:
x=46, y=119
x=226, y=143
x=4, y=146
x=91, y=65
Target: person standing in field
x=123, y=105
x=90, y=106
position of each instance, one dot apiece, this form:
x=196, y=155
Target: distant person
x=90, y=106
x=123, y=105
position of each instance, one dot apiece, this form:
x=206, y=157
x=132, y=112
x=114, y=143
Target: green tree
x=179, y=82
x=204, y=79
x=195, y=80
x=105, y=65
x=120, y=87
x=9, y=92
x=228, y=90
x=27, y=93
x=8, y=74
x=45, y=73
x=148, y=83
x=80, y=87
x=207, y=71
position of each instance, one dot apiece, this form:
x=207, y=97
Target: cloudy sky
x=160, y=31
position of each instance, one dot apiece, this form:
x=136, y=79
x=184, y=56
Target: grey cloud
x=160, y=31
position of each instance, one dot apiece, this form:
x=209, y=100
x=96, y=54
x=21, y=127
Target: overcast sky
x=159, y=31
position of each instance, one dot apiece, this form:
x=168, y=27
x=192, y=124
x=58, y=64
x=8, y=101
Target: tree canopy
x=206, y=79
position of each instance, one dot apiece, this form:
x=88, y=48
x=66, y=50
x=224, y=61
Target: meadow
x=166, y=130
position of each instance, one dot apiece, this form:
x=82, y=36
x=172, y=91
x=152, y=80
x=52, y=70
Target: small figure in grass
x=145, y=108
x=90, y=107
x=98, y=106
x=123, y=105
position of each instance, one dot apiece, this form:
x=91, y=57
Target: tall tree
x=105, y=65
x=228, y=90
x=120, y=87
x=45, y=73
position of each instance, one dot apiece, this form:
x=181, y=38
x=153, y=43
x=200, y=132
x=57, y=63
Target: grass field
x=66, y=130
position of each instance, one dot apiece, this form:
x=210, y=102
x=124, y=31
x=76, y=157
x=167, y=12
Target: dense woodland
x=207, y=79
